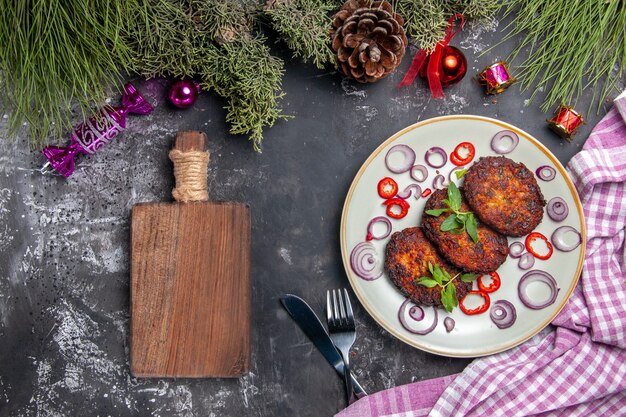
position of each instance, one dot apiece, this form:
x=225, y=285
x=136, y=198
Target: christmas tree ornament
x=221, y=42
x=183, y=93
x=453, y=66
x=445, y=66
x=368, y=39
x=566, y=121
x=496, y=78
x=96, y=132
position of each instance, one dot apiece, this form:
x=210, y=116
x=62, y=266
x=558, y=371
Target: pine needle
x=55, y=55
x=573, y=46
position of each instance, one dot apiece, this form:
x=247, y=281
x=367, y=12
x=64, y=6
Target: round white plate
x=474, y=335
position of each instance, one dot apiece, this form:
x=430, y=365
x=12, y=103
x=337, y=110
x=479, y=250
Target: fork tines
x=339, y=310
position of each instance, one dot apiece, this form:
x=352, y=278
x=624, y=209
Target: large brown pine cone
x=369, y=39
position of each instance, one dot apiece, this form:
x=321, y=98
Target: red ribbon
x=434, y=68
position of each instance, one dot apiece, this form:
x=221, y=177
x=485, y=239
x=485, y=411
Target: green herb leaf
x=460, y=173
x=446, y=276
x=451, y=289
x=469, y=277
x=427, y=282
x=472, y=227
x=454, y=196
x=438, y=279
x=448, y=298
x=437, y=212
x=440, y=275
x=449, y=223
x=442, y=278
x=457, y=231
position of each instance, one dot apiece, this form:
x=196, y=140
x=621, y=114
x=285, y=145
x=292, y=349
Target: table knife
x=307, y=320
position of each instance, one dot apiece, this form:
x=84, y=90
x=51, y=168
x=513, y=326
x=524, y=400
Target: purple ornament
x=96, y=132
x=183, y=94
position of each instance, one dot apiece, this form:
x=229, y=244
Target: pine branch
x=56, y=56
x=212, y=40
x=244, y=72
x=162, y=38
x=426, y=20
x=304, y=26
x=573, y=46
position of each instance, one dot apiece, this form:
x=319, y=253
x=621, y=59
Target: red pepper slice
x=457, y=159
x=529, y=245
x=480, y=309
x=404, y=207
x=493, y=286
x=387, y=187
x=426, y=192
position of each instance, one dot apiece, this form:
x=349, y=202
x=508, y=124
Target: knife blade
x=310, y=324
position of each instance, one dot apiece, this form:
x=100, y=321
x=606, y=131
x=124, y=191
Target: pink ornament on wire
x=183, y=93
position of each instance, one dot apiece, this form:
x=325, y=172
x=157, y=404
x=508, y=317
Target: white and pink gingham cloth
x=577, y=367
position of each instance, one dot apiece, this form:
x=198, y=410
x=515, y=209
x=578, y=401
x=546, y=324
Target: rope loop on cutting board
x=190, y=170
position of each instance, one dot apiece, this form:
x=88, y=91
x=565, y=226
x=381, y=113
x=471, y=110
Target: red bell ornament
x=443, y=66
x=453, y=66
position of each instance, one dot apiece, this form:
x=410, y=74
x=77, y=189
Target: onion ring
x=503, y=314
x=537, y=275
x=449, y=323
x=406, y=193
x=365, y=262
x=500, y=146
x=407, y=163
x=439, y=182
x=557, y=209
x=416, y=313
x=516, y=249
x=405, y=324
x=558, y=239
x=546, y=173
x=422, y=170
x=526, y=261
x=370, y=228
x=436, y=150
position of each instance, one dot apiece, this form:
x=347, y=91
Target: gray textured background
x=64, y=245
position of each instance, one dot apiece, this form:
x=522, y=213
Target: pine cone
x=369, y=39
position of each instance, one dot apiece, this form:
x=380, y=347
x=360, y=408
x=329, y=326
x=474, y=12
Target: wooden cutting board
x=190, y=282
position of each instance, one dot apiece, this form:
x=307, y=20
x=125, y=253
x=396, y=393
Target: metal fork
x=342, y=331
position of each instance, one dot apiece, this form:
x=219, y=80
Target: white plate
x=473, y=335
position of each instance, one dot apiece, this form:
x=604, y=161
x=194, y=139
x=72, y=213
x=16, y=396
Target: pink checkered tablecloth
x=577, y=366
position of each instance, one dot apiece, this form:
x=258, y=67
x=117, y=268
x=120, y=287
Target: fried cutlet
x=504, y=195
x=458, y=248
x=406, y=260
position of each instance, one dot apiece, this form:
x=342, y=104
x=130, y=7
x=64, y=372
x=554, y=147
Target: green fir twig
x=247, y=74
x=304, y=25
x=212, y=40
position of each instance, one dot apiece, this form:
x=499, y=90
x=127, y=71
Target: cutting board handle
x=191, y=162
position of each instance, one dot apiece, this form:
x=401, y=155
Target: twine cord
x=190, y=170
